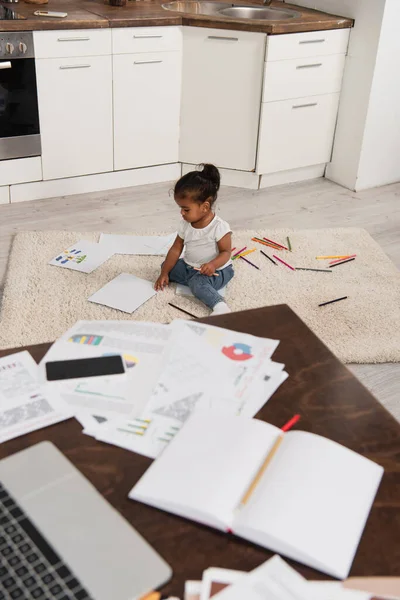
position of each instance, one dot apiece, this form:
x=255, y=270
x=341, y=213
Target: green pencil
x=289, y=244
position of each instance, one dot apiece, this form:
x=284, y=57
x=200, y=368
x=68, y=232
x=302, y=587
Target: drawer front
x=303, y=45
x=303, y=77
x=71, y=43
x=129, y=40
x=296, y=133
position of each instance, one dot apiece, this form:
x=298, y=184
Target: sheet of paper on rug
x=125, y=292
x=25, y=405
x=140, y=344
x=146, y=245
x=197, y=374
x=83, y=256
x=184, y=290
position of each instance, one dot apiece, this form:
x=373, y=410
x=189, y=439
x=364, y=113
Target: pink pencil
x=233, y=250
x=275, y=244
x=240, y=251
x=340, y=259
x=283, y=262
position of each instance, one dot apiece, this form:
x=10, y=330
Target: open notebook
x=310, y=504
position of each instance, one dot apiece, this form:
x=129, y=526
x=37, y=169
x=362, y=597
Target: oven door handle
x=5, y=65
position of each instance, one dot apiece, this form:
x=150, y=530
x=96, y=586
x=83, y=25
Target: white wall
x=366, y=151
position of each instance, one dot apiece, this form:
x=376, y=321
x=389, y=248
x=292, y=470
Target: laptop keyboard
x=30, y=569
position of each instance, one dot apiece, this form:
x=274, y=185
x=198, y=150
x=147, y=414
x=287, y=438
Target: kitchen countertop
x=94, y=14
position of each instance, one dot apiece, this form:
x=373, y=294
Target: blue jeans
x=203, y=287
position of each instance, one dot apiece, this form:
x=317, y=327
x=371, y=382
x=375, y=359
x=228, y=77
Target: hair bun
x=211, y=173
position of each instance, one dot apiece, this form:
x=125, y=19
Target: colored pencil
x=320, y=270
x=182, y=310
x=261, y=471
x=275, y=243
x=269, y=258
x=332, y=301
x=289, y=244
x=342, y=263
x=240, y=251
x=233, y=249
x=197, y=269
x=244, y=253
x=283, y=262
x=340, y=259
x=290, y=423
x=250, y=263
x=339, y=256
x=266, y=244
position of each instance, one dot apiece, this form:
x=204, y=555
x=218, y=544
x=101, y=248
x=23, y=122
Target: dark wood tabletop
x=331, y=401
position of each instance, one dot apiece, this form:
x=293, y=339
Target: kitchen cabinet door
x=221, y=96
x=296, y=133
x=147, y=93
x=75, y=112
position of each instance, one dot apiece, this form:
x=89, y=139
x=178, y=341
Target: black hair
x=200, y=185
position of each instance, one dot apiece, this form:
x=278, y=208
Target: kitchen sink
x=227, y=9
x=259, y=12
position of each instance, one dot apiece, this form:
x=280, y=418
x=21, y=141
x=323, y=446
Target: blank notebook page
x=314, y=498
x=206, y=469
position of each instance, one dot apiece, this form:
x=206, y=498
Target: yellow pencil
x=244, y=253
x=261, y=471
x=321, y=257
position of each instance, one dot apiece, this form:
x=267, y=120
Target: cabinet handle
x=74, y=66
x=312, y=41
x=5, y=65
x=145, y=37
x=305, y=105
x=146, y=62
x=309, y=66
x=221, y=37
x=74, y=39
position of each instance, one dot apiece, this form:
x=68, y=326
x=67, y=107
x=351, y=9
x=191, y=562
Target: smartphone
x=49, y=13
x=85, y=367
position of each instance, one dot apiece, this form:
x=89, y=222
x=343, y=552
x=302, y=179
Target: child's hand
x=161, y=283
x=207, y=269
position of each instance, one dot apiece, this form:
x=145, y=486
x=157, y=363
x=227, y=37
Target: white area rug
x=40, y=301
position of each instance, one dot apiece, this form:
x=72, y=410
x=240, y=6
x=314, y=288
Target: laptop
x=61, y=540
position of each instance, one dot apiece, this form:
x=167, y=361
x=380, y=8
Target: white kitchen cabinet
x=146, y=95
x=221, y=95
x=75, y=112
x=296, y=133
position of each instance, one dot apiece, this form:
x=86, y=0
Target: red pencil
x=276, y=244
x=233, y=250
x=340, y=259
x=236, y=253
x=283, y=262
x=290, y=423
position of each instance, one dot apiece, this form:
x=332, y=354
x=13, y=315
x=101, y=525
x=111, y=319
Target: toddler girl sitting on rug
x=205, y=238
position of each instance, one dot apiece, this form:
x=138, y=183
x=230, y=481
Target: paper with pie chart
x=205, y=368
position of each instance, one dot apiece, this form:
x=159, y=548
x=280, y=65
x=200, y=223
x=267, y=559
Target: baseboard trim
x=4, y=194
x=292, y=176
x=93, y=183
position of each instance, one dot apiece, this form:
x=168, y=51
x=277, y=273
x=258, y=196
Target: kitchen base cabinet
x=146, y=94
x=75, y=112
x=221, y=95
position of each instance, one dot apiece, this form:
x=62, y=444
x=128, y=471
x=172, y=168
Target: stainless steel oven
x=19, y=116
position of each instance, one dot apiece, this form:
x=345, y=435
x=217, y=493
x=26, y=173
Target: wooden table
x=331, y=401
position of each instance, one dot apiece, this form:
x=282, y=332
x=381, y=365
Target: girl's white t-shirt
x=201, y=244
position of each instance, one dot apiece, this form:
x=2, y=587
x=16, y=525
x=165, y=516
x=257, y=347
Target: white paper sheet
x=138, y=244
x=201, y=370
x=25, y=405
x=125, y=292
x=84, y=256
x=95, y=402
x=184, y=290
